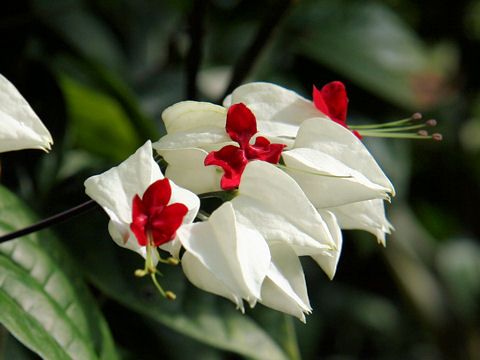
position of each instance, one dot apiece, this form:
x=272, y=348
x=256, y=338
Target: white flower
x=20, y=127
x=225, y=257
x=115, y=189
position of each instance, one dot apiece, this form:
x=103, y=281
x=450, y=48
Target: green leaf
x=202, y=316
x=43, y=300
x=367, y=43
x=99, y=123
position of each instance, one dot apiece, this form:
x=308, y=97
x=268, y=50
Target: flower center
x=241, y=126
x=153, y=220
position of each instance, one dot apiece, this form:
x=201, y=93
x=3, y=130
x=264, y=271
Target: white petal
x=20, y=127
x=187, y=198
x=365, y=215
x=115, y=189
x=278, y=133
x=211, y=138
x=285, y=289
x=311, y=169
x=328, y=261
x=123, y=236
x=333, y=139
x=200, y=276
x=187, y=169
x=227, y=102
x=189, y=115
x=273, y=203
x=270, y=102
x=238, y=256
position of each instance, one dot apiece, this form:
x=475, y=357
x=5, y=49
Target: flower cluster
x=292, y=172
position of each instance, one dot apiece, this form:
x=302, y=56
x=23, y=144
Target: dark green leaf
x=43, y=300
x=99, y=123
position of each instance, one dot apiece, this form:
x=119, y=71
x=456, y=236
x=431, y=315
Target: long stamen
x=415, y=117
x=400, y=129
x=404, y=128
x=421, y=136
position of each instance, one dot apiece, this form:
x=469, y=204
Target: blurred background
x=99, y=74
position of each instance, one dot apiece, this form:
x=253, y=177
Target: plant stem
x=248, y=59
x=53, y=220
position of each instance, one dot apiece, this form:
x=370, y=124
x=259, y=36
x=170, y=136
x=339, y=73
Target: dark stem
x=53, y=220
x=248, y=59
x=196, y=30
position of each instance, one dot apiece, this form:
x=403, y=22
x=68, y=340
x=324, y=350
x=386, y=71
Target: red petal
x=241, y=124
x=320, y=102
x=264, y=150
x=232, y=160
x=139, y=220
x=332, y=101
x=164, y=226
x=157, y=195
x=335, y=96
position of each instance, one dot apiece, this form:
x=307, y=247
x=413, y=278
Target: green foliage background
x=99, y=74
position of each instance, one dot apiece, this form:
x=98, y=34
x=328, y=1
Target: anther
x=172, y=261
x=170, y=295
x=422, y=132
x=417, y=116
x=140, y=273
x=437, y=137
x=431, y=122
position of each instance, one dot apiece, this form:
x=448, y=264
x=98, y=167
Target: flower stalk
x=50, y=221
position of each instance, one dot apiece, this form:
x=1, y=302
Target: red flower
x=241, y=126
x=154, y=220
x=332, y=101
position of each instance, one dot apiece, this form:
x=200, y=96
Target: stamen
x=173, y=261
x=140, y=273
x=414, y=118
x=170, y=295
x=417, y=116
x=401, y=135
x=400, y=129
x=403, y=128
